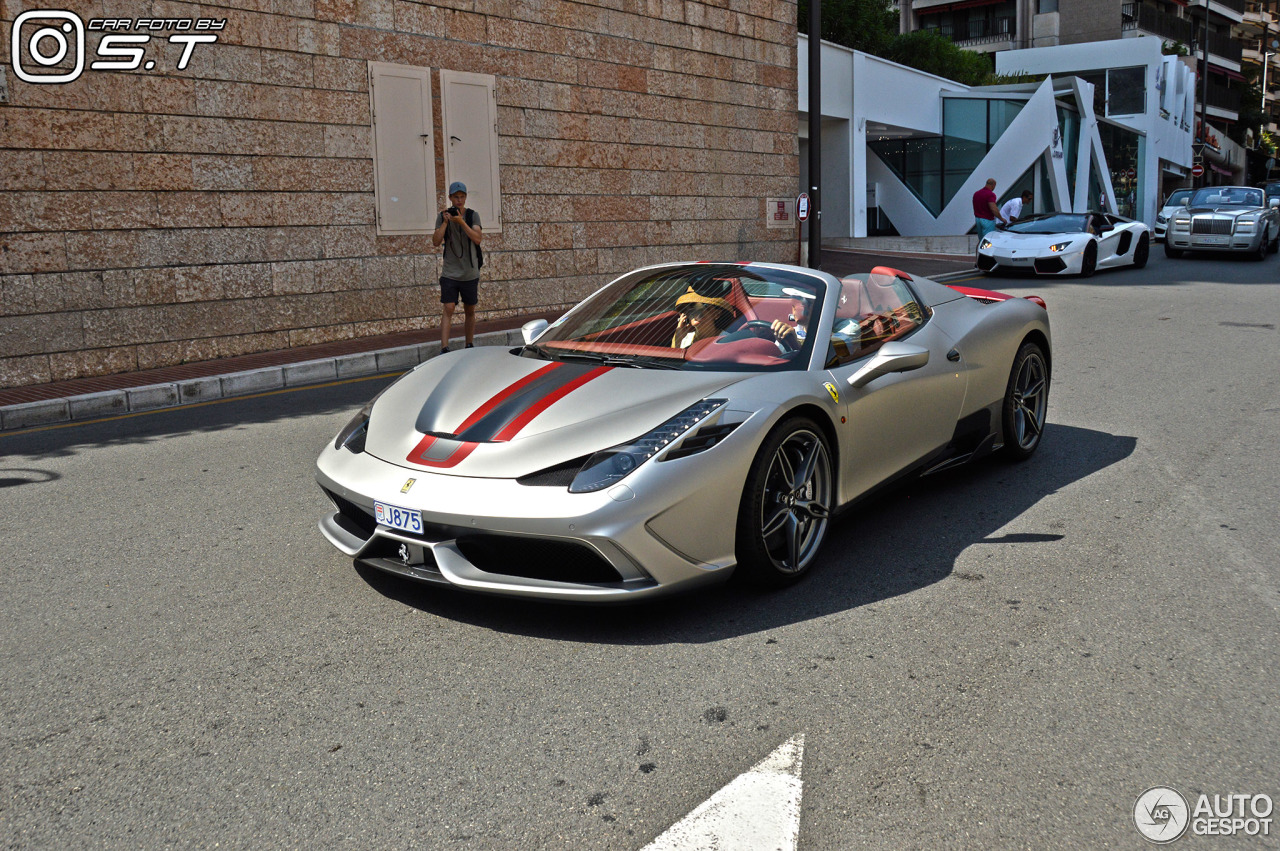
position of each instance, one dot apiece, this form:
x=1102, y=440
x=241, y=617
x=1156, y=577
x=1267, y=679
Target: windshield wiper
x=614, y=360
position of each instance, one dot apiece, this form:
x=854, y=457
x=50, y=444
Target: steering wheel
x=763, y=329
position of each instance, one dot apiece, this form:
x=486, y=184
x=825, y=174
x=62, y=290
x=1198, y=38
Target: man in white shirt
x=1012, y=208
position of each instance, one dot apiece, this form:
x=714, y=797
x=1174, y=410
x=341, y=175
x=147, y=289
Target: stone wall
x=150, y=218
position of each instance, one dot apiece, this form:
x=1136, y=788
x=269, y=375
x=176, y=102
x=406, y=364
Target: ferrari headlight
x=613, y=465
x=984, y=245
x=353, y=433
x=1059, y=247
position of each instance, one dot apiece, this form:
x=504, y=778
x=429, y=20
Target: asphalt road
x=1005, y=656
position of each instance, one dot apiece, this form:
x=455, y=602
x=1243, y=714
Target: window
x=873, y=309
x=404, y=174
x=470, y=113
x=1126, y=91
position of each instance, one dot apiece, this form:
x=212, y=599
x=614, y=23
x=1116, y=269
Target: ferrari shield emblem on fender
x=407, y=485
x=831, y=388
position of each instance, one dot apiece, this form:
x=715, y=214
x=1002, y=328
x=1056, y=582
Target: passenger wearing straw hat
x=700, y=316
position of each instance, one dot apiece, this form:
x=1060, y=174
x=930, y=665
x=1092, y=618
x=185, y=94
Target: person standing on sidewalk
x=459, y=230
x=986, y=209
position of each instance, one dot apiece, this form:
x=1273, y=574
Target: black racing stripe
x=493, y=422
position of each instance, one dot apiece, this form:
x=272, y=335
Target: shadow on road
x=223, y=414
x=900, y=542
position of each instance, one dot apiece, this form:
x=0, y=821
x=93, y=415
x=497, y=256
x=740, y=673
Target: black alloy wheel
x=1089, y=264
x=1142, y=252
x=1026, y=401
x=786, y=505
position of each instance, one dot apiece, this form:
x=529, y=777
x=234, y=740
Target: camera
x=452, y=211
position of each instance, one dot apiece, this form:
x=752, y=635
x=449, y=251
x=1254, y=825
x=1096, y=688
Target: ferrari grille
x=1204, y=224
x=537, y=558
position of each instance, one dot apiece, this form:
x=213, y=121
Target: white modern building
x=903, y=151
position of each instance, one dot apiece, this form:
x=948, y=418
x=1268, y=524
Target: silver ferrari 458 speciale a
x=685, y=422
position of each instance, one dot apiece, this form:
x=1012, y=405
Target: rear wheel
x=1274, y=245
x=1142, y=252
x=1170, y=251
x=786, y=505
x=1090, y=262
x=1026, y=401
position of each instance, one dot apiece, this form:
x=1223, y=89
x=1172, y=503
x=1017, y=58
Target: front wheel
x=1142, y=252
x=1026, y=401
x=1170, y=251
x=1263, y=249
x=1089, y=264
x=786, y=505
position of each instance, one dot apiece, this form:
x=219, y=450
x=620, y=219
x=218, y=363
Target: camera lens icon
x=48, y=45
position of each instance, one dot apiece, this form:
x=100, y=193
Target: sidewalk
x=113, y=395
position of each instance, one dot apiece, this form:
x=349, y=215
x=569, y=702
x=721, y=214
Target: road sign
x=1131, y=173
x=1197, y=170
x=802, y=206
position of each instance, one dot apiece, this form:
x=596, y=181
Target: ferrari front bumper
x=668, y=527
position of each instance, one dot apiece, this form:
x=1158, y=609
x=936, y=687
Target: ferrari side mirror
x=895, y=356
x=532, y=329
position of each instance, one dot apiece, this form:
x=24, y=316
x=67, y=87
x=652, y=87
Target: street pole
x=815, y=133
x=1204, y=94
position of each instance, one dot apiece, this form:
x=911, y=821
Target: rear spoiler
x=991, y=296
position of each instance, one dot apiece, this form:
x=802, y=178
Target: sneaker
x=471, y=345
x=444, y=350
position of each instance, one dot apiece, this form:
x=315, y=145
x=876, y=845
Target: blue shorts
x=451, y=289
x=986, y=226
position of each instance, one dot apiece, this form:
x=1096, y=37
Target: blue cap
x=456, y=187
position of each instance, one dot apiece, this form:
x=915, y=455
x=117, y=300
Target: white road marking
x=757, y=811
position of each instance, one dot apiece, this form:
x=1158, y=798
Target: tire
x=1089, y=264
x=785, y=511
x=1263, y=249
x=1142, y=252
x=1170, y=251
x=1026, y=401
x=1274, y=245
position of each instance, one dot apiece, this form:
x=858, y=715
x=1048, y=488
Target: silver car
x=1175, y=202
x=685, y=422
x=1225, y=218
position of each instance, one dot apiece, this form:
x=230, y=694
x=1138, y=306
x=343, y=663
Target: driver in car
x=700, y=317
x=791, y=333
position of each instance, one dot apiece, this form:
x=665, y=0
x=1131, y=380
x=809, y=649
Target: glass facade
x=1122, y=150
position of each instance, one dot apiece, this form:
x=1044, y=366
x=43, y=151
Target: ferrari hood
x=489, y=413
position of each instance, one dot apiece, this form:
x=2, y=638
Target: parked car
x=1177, y=200
x=1225, y=218
x=627, y=450
x=1272, y=191
x=1065, y=244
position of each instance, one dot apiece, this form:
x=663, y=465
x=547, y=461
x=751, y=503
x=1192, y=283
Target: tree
x=872, y=27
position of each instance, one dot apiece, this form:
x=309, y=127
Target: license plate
x=396, y=517
x=1213, y=240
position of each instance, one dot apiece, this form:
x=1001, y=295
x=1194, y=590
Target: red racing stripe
x=497, y=400
x=513, y=428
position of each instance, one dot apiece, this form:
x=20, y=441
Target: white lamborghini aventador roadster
x=1065, y=244
x=684, y=422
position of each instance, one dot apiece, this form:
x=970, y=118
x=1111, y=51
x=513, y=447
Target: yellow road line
x=192, y=405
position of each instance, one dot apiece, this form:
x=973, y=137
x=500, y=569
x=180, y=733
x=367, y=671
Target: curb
x=192, y=390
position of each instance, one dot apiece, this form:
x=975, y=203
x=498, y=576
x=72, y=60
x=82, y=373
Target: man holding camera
x=459, y=230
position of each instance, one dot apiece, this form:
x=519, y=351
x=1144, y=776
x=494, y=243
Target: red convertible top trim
x=889, y=270
x=992, y=295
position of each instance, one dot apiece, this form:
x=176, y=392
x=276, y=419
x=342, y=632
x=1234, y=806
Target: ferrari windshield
x=1051, y=223
x=693, y=316
x=1227, y=196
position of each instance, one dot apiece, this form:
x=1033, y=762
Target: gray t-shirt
x=460, y=262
